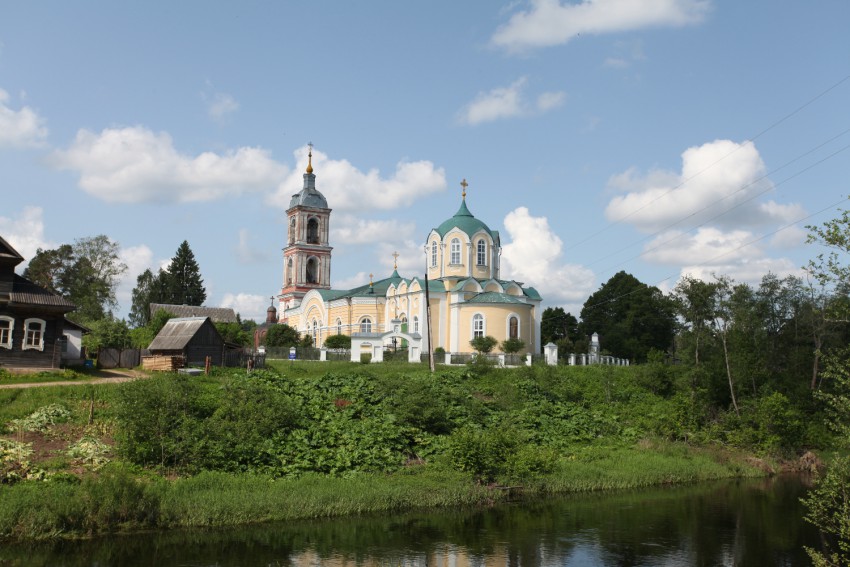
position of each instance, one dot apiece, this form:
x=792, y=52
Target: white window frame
x=339, y=326
x=518, y=326
x=366, y=325
x=415, y=323
x=434, y=254
x=481, y=255
x=42, y=326
x=11, y=331
x=479, y=318
x=455, y=252
x=315, y=333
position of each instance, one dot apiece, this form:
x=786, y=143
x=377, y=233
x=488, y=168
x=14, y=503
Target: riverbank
x=121, y=498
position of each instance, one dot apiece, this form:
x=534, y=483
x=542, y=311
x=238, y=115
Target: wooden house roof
x=216, y=314
x=177, y=333
x=9, y=255
x=26, y=293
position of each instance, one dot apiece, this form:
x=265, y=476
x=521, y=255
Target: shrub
x=338, y=341
x=483, y=345
x=511, y=346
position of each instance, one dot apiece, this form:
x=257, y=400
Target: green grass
x=47, y=376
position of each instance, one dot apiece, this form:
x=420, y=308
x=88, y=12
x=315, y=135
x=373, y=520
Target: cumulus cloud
x=354, y=230
x=508, y=102
x=549, y=22
x=25, y=233
x=350, y=189
x=138, y=259
x=22, y=128
x=136, y=165
x=719, y=184
x=534, y=256
x=245, y=252
x=248, y=306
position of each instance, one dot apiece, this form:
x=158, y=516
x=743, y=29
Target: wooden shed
x=193, y=338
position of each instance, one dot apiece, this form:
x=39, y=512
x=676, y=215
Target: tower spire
x=310, y=158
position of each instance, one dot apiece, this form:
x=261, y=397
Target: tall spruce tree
x=183, y=282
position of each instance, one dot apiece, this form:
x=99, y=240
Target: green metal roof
x=495, y=297
x=467, y=223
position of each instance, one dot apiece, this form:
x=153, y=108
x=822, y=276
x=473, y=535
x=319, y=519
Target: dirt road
x=102, y=377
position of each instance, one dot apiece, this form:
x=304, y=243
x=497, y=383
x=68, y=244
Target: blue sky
x=659, y=137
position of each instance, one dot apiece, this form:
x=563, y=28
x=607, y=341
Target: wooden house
x=32, y=318
x=193, y=338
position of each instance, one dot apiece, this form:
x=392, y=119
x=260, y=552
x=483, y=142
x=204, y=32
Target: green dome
x=464, y=220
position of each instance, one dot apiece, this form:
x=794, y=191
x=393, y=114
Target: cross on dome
x=464, y=184
x=310, y=157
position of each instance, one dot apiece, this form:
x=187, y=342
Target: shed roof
x=177, y=333
x=216, y=314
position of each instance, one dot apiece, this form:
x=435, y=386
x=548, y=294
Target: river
x=740, y=522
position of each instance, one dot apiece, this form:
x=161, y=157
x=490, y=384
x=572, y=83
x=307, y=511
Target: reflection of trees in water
x=737, y=522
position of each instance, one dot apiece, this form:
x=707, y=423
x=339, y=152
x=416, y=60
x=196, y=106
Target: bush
x=483, y=345
x=512, y=346
x=338, y=341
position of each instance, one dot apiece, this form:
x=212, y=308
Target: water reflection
x=731, y=523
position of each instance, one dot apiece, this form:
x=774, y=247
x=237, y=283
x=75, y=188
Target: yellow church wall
x=495, y=323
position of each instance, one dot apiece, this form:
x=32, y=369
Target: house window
x=415, y=324
x=339, y=326
x=315, y=333
x=478, y=326
x=34, y=334
x=366, y=325
x=513, y=328
x=7, y=325
x=312, y=231
x=482, y=253
x=434, y=253
x=455, y=257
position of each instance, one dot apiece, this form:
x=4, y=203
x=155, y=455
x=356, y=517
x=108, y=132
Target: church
x=466, y=296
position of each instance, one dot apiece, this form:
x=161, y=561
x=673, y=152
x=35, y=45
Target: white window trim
x=483, y=325
x=481, y=255
x=41, y=323
x=415, y=323
x=433, y=253
x=518, y=325
x=362, y=321
x=452, y=253
x=8, y=344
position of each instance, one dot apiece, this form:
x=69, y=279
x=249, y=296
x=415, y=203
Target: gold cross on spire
x=464, y=184
x=310, y=158
x=395, y=260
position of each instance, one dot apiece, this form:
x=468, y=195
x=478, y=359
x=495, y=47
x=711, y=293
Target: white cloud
x=245, y=252
x=720, y=183
x=548, y=22
x=508, y=102
x=350, y=229
x=358, y=279
x=220, y=105
x=248, y=306
x=750, y=271
x=711, y=246
x=349, y=189
x=22, y=128
x=138, y=259
x=135, y=165
x=534, y=256
x=25, y=233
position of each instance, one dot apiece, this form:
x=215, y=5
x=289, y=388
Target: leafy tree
x=149, y=289
x=556, y=325
x=694, y=303
x=234, y=333
x=483, y=345
x=108, y=332
x=86, y=273
x=281, y=335
x=828, y=508
x=183, y=282
x=631, y=317
x=141, y=337
x=511, y=346
x=338, y=341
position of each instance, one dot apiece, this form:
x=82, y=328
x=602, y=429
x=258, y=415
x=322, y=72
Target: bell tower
x=307, y=255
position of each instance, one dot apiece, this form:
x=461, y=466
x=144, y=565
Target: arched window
x=415, y=324
x=312, y=231
x=482, y=253
x=477, y=325
x=312, y=271
x=7, y=326
x=365, y=325
x=455, y=257
x=34, y=334
x=434, y=253
x=339, y=326
x=289, y=272
x=513, y=327
x=292, y=230
x=315, y=333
